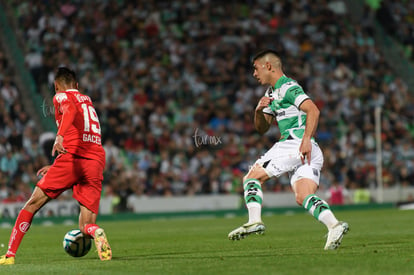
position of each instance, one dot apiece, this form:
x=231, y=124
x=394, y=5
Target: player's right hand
x=42, y=171
x=58, y=146
x=263, y=103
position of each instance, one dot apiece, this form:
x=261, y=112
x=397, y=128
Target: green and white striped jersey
x=287, y=96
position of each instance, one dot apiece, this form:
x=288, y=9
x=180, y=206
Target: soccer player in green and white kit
x=296, y=152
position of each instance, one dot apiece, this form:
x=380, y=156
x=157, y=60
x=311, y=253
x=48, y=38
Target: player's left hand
x=58, y=146
x=305, y=150
x=42, y=171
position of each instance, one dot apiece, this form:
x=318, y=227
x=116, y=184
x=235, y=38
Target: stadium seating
x=170, y=79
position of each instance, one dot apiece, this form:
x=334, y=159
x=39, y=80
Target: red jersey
x=78, y=123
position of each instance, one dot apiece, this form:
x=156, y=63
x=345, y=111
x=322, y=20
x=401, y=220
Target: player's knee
x=256, y=172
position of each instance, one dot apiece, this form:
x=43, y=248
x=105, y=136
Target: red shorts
x=84, y=176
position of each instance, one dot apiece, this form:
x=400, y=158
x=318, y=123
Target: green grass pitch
x=379, y=242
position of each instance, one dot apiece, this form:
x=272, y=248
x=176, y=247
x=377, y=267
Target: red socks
x=23, y=222
x=22, y=225
x=91, y=228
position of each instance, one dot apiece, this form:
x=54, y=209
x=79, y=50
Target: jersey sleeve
x=68, y=109
x=295, y=95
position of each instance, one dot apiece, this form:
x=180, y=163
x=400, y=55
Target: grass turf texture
x=380, y=242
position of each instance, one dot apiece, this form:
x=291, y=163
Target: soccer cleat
x=102, y=245
x=247, y=229
x=6, y=261
x=335, y=235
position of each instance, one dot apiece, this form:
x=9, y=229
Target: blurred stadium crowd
x=172, y=83
x=397, y=18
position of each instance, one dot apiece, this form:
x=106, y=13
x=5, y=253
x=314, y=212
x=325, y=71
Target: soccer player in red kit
x=79, y=166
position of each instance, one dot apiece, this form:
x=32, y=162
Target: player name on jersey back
x=83, y=98
x=91, y=138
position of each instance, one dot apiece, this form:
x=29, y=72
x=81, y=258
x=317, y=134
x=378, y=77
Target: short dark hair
x=65, y=75
x=265, y=52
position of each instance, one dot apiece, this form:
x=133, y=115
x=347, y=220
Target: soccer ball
x=75, y=244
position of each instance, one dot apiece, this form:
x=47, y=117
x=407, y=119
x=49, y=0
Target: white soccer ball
x=76, y=244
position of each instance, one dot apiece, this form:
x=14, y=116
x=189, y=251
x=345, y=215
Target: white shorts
x=284, y=157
